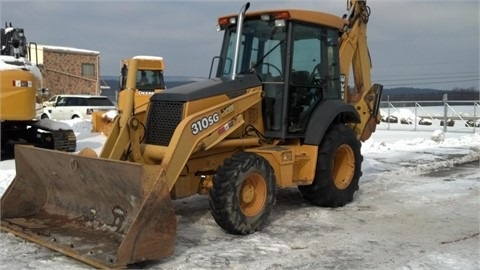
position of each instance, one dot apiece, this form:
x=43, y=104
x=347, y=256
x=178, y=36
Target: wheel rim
x=253, y=195
x=343, y=166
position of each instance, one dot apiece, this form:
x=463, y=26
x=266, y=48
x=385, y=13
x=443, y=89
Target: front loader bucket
x=106, y=213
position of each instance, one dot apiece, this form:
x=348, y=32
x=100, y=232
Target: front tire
x=338, y=169
x=243, y=193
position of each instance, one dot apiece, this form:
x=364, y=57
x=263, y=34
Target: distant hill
x=421, y=94
x=392, y=94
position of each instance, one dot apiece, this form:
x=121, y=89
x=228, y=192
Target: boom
x=354, y=54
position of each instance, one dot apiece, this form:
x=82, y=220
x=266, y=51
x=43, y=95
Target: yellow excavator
x=149, y=80
x=20, y=82
x=278, y=114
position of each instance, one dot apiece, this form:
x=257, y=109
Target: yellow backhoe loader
x=279, y=113
x=149, y=80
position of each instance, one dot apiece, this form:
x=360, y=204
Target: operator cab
x=295, y=55
x=147, y=80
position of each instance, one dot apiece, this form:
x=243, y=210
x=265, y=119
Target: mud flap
x=106, y=213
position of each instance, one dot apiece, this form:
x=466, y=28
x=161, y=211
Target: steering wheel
x=315, y=75
x=269, y=65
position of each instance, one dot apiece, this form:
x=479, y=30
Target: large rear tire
x=243, y=193
x=338, y=169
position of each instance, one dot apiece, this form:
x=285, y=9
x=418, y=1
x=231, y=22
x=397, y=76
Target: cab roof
x=308, y=16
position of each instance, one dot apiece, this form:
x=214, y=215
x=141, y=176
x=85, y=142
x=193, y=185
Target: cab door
x=314, y=73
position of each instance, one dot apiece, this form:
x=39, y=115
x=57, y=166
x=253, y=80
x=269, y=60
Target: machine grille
x=163, y=118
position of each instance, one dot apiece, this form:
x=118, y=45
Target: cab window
x=150, y=79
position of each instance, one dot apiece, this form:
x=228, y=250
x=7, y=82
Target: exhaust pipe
x=241, y=17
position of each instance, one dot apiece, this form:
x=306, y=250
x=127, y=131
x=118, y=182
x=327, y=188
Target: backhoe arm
x=354, y=54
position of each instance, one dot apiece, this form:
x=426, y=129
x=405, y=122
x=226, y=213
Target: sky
x=424, y=44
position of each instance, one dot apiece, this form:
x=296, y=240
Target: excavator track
x=63, y=136
x=64, y=140
x=44, y=133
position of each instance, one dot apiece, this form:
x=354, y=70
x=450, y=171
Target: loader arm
x=120, y=136
x=354, y=54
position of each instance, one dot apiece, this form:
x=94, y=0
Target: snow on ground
x=417, y=208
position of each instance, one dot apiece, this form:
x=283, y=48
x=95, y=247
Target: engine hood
x=209, y=88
